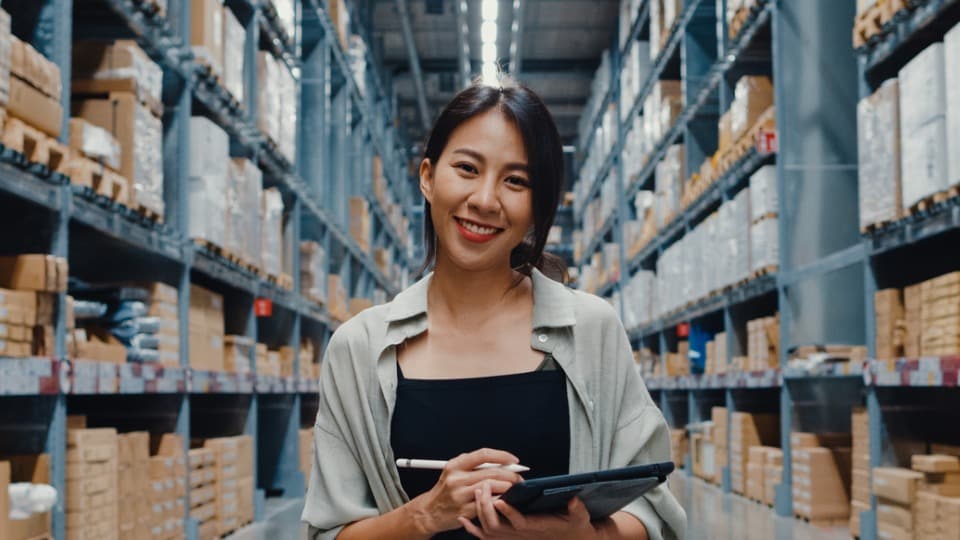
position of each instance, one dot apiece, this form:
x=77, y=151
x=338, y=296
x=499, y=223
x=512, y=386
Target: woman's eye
x=518, y=181
x=466, y=167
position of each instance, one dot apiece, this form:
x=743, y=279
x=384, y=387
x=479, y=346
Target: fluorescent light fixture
x=491, y=75
x=489, y=10
x=488, y=32
x=569, y=149
x=489, y=53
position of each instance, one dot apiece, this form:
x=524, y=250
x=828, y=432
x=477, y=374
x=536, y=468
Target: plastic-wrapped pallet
x=234, y=39
x=236, y=214
x=250, y=180
x=742, y=235
x=951, y=55
x=764, y=244
x=753, y=95
x=357, y=59
x=206, y=33
x=923, y=144
x=272, y=233
x=878, y=130
x=208, y=181
x=95, y=143
x=286, y=14
x=313, y=270
x=669, y=177
x=268, y=101
x=147, y=178
x=287, y=111
x=763, y=193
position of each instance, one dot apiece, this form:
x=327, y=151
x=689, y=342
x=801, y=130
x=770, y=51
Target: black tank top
x=525, y=414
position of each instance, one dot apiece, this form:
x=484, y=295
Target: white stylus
x=439, y=464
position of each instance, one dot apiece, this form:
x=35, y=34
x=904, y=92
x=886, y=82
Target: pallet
x=824, y=523
x=874, y=227
x=151, y=8
x=206, y=71
x=765, y=215
x=98, y=179
x=209, y=246
x=739, y=19
x=764, y=271
x=148, y=214
x=927, y=203
x=890, y=9
x=867, y=25
x=227, y=533
x=35, y=145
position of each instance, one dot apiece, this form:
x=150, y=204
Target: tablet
x=602, y=492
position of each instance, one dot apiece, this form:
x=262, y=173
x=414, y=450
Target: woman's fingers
x=516, y=519
x=469, y=461
x=470, y=527
x=488, y=514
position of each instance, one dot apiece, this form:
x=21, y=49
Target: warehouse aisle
x=715, y=516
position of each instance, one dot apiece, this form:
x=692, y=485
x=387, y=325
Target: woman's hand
x=575, y=524
x=453, y=496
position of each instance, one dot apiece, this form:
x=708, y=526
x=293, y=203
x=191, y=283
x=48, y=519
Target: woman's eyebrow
x=479, y=157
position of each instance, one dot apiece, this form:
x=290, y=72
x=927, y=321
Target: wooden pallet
x=764, y=271
x=151, y=8
x=286, y=281
x=866, y=25
x=824, y=523
x=227, y=533
x=874, y=227
x=739, y=19
x=209, y=246
x=890, y=9
x=97, y=178
x=149, y=214
x=206, y=70
x=928, y=202
x=35, y=145
x=765, y=215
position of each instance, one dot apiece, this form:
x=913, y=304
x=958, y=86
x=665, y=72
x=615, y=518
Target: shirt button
x=542, y=338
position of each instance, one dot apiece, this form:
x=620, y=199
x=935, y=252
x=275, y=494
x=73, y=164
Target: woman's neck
x=470, y=296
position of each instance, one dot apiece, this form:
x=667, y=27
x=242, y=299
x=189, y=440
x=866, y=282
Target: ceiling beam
x=572, y=66
x=414, y=62
x=463, y=42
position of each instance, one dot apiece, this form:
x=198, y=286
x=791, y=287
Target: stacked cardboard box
x=923, y=144
x=35, y=86
x=133, y=462
x=940, y=315
x=773, y=475
x=206, y=329
x=888, y=308
x=94, y=142
x=209, y=178
x=268, y=362
x=118, y=88
x=703, y=452
x=912, y=313
x=337, y=298
x=763, y=343
x=238, y=351
x=860, y=474
x=360, y=222
x=203, y=492
x=5, y=50
x=748, y=430
x=305, y=438
x=206, y=34
x=91, y=498
x=164, y=301
x=721, y=434
x=820, y=465
x=168, y=486
x=276, y=103
x=678, y=447
x=234, y=39
x=24, y=468
x=234, y=471
x=951, y=56
x=313, y=271
x=26, y=323
x=939, y=494
x=243, y=219
x=896, y=491
x=878, y=129
x=757, y=459
x=753, y=95
x=309, y=366
x=668, y=180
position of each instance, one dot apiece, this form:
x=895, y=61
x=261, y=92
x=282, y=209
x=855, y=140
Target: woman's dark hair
x=544, y=164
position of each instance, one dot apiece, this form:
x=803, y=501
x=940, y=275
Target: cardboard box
x=935, y=463
x=341, y=20
x=896, y=484
x=360, y=222
x=140, y=135
x=36, y=469
x=33, y=107
x=206, y=33
x=951, y=57
x=886, y=531
x=95, y=143
x=99, y=66
x=29, y=272
x=753, y=95
x=31, y=67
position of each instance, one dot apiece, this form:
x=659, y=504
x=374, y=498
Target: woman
x=483, y=360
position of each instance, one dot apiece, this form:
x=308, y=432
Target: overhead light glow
x=488, y=32
x=491, y=75
x=489, y=53
x=489, y=10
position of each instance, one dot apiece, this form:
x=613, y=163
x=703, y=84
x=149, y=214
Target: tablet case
x=602, y=492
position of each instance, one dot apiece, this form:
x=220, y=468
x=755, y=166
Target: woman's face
x=480, y=193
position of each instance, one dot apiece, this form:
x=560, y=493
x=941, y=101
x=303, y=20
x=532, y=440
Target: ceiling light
x=490, y=74
x=488, y=32
x=489, y=53
x=489, y=10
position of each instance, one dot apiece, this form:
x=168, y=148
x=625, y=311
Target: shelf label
x=263, y=307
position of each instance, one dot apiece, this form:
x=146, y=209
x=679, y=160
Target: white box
x=922, y=88
x=234, y=42
x=878, y=134
x=951, y=54
x=923, y=160
x=763, y=192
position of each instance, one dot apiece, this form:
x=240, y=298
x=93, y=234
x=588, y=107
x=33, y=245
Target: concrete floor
x=710, y=514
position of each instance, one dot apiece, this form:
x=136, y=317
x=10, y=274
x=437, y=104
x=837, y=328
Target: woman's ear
x=426, y=179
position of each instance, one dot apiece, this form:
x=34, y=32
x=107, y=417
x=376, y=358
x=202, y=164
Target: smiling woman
x=485, y=362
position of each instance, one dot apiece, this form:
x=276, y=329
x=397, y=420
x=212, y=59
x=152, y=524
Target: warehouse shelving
x=775, y=40
x=106, y=241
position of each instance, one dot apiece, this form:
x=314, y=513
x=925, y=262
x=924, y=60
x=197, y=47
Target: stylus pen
x=439, y=464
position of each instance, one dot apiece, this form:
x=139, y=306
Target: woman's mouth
x=476, y=232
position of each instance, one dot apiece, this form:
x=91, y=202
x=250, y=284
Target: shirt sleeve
x=337, y=492
x=642, y=437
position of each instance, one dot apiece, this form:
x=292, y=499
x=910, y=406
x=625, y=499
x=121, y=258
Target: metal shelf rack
x=105, y=241
x=815, y=95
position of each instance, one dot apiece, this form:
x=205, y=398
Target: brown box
x=95, y=143
x=896, y=484
x=360, y=222
x=892, y=532
x=896, y=515
x=29, y=272
x=36, y=469
x=206, y=33
x=341, y=20
x=935, y=463
x=33, y=68
x=912, y=311
x=753, y=96
x=33, y=107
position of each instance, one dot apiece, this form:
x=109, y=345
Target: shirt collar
x=552, y=302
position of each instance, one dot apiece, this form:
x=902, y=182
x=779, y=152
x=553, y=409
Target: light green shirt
x=613, y=421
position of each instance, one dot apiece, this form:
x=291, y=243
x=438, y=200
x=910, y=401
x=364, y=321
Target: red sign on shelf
x=683, y=330
x=263, y=307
